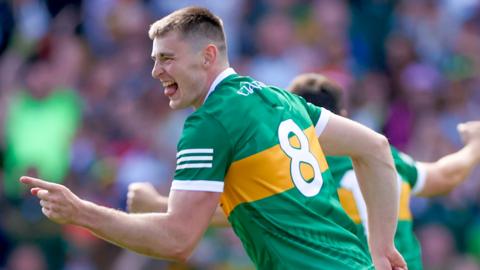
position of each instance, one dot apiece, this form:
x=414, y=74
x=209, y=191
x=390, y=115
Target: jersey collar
x=224, y=74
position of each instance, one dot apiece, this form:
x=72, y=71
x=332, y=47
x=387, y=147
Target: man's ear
x=210, y=54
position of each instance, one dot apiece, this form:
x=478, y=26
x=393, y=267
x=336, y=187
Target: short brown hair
x=318, y=90
x=191, y=22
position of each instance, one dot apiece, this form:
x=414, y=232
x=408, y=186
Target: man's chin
x=174, y=105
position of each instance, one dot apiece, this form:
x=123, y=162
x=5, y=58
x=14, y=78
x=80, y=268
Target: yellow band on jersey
x=241, y=185
x=404, y=211
x=350, y=205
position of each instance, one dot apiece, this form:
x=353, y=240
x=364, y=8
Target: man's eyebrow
x=161, y=55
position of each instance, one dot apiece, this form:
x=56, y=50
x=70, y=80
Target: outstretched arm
x=448, y=172
x=170, y=235
x=376, y=175
x=142, y=197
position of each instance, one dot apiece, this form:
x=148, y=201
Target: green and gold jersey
x=411, y=178
x=258, y=145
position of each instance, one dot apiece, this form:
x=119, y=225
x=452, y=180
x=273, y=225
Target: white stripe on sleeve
x=194, y=165
x=421, y=178
x=322, y=121
x=194, y=158
x=198, y=185
x=195, y=151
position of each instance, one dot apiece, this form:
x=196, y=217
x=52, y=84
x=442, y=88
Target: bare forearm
x=448, y=172
x=373, y=164
x=219, y=219
x=377, y=178
x=149, y=234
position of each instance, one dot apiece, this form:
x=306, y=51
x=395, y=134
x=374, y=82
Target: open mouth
x=170, y=88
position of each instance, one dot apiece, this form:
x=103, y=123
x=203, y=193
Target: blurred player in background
x=423, y=179
x=256, y=149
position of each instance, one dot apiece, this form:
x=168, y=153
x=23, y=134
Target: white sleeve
x=322, y=122
x=421, y=178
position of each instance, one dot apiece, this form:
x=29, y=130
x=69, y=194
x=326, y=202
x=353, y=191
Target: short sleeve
x=319, y=117
x=203, y=155
x=409, y=169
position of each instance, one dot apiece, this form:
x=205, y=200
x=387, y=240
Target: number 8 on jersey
x=299, y=156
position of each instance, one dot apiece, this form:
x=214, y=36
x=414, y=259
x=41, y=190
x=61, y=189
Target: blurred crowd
x=78, y=106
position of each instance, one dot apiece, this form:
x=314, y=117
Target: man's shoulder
x=243, y=94
x=199, y=119
x=234, y=87
x=232, y=100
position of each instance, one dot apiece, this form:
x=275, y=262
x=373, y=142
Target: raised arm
x=448, y=172
x=171, y=235
x=376, y=175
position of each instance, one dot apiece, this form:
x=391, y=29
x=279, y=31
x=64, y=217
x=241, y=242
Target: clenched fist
x=143, y=197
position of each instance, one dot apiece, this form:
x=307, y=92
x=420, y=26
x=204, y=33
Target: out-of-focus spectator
x=370, y=100
x=371, y=24
x=6, y=25
x=275, y=51
x=438, y=247
x=4, y=243
x=399, y=54
x=26, y=257
x=465, y=263
x=41, y=121
x=95, y=26
x=331, y=53
x=32, y=22
x=414, y=106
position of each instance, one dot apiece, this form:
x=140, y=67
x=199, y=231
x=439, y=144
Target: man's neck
x=210, y=81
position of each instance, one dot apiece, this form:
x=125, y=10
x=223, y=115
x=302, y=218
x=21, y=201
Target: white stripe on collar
x=224, y=74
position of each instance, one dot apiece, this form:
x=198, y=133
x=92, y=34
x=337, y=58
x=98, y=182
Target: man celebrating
x=256, y=149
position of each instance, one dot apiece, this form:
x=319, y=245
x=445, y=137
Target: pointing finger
x=35, y=182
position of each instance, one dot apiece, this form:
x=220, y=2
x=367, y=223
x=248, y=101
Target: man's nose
x=157, y=71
